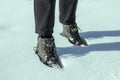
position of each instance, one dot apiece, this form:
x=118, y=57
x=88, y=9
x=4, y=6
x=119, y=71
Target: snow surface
x=100, y=23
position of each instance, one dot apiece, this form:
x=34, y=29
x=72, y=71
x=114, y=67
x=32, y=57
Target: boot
x=71, y=33
x=46, y=51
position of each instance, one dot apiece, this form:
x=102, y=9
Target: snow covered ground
x=100, y=23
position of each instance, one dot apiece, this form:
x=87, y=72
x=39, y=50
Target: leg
x=68, y=19
x=44, y=22
x=44, y=16
x=67, y=11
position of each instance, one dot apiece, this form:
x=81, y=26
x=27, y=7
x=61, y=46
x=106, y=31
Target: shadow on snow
x=100, y=34
x=81, y=51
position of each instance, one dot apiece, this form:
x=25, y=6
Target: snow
x=100, y=24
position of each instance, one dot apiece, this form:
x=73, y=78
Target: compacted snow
x=99, y=21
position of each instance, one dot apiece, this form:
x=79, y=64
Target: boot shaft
x=45, y=48
x=69, y=29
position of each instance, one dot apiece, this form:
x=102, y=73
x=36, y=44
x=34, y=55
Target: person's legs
x=44, y=23
x=67, y=11
x=68, y=19
x=44, y=16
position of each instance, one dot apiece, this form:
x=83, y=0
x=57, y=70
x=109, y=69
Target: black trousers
x=44, y=11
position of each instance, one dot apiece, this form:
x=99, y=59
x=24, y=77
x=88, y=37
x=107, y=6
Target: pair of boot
x=46, y=49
